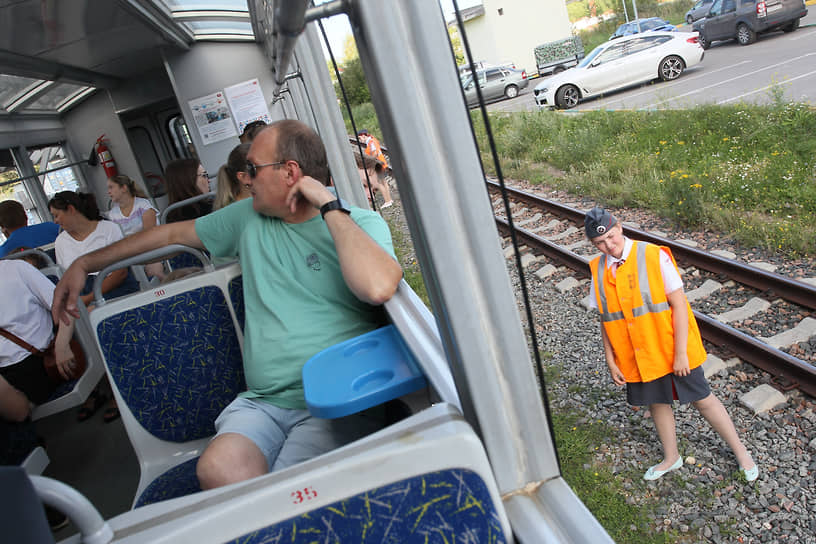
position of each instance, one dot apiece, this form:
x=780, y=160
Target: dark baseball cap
x=598, y=222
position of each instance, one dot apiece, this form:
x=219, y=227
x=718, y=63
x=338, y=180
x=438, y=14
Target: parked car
x=698, y=10
x=744, y=19
x=621, y=63
x=496, y=83
x=642, y=25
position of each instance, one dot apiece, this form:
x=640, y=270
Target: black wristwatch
x=334, y=205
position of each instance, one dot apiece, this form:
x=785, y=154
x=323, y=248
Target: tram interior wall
x=83, y=125
x=208, y=68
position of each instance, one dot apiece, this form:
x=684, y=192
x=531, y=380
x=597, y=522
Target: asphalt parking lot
x=730, y=73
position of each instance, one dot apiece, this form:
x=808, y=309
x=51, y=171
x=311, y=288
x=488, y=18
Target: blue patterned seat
x=451, y=505
x=174, y=360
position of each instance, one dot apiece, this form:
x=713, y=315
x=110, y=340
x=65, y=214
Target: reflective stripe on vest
x=643, y=282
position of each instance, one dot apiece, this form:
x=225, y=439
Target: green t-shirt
x=295, y=298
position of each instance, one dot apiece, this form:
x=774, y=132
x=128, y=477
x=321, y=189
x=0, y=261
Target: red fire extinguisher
x=105, y=157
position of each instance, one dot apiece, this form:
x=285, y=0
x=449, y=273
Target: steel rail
x=788, y=372
x=777, y=285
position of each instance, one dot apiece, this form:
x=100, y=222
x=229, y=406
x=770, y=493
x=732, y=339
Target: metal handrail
x=182, y=203
x=148, y=256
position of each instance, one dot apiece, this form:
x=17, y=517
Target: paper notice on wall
x=212, y=118
x=246, y=100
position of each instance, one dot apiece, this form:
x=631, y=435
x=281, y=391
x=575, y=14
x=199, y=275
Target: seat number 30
x=305, y=494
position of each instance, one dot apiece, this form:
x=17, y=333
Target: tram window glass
x=59, y=175
x=13, y=86
x=180, y=136
x=54, y=97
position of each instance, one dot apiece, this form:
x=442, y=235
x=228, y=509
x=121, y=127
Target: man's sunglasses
x=252, y=169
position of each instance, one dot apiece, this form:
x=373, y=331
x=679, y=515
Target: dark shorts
x=29, y=376
x=669, y=388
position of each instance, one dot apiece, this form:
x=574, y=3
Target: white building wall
x=513, y=35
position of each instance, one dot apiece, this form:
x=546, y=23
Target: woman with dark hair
x=130, y=210
x=231, y=178
x=84, y=230
x=186, y=178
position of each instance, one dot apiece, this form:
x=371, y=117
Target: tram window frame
x=51, y=172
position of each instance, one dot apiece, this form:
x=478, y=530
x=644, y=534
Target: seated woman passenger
x=186, y=178
x=130, y=210
x=83, y=231
x=232, y=178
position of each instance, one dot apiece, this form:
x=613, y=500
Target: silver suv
x=744, y=19
x=496, y=83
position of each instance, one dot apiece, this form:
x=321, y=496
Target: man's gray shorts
x=287, y=437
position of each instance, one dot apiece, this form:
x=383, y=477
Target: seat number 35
x=305, y=494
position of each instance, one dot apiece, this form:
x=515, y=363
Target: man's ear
x=293, y=173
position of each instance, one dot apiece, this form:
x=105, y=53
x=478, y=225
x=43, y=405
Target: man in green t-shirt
x=314, y=272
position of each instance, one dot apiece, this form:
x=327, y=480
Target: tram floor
x=93, y=457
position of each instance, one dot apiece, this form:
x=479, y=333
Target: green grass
x=598, y=487
x=742, y=169
x=410, y=267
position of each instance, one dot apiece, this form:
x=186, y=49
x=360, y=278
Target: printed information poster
x=212, y=118
x=246, y=100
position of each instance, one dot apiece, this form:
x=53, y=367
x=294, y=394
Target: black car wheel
x=745, y=36
x=689, y=20
x=511, y=91
x=567, y=97
x=671, y=67
x=791, y=27
x=703, y=41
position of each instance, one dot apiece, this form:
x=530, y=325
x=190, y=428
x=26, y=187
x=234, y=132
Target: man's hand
x=309, y=189
x=66, y=294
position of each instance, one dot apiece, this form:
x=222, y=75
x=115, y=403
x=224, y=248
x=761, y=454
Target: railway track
x=726, y=295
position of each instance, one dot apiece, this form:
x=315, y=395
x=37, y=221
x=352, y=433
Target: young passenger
x=186, y=178
x=13, y=221
x=314, y=274
x=651, y=340
x=130, y=210
x=232, y=178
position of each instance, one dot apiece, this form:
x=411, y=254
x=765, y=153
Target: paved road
x=729, y=73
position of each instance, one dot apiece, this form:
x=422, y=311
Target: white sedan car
x=620, y=63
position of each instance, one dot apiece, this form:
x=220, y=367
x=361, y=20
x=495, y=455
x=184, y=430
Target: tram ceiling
x=56, y=53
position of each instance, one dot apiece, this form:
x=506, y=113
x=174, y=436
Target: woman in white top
x=83, y=231
x=130, y=210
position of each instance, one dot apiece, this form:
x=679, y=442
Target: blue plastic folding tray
x=360, y=373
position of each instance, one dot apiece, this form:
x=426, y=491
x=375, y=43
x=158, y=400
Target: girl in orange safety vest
x=651, y=340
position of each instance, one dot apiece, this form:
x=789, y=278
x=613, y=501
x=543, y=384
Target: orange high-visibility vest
x=636, y=315
x=374, y=150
